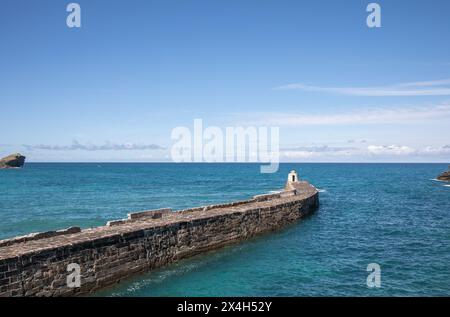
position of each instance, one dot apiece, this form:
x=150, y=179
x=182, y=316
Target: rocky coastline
x=445, y=176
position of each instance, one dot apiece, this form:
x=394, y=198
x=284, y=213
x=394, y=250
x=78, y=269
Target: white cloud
x=407, y=150
x=356, y=141
x=320, y=148
x=298, y=154
x=357, y=116
x=441, y=150
x=328, y=153
x=301, y=152
x=430, y=83
x=423, y=88
x=390, y=150
x=108, y=146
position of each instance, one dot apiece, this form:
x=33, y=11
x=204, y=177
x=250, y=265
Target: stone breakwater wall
x=37, y=264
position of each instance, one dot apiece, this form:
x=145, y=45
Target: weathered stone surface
x=154, y=214
x=108, y=254
x=445, y=176
x=39, y=235
x=12, y=161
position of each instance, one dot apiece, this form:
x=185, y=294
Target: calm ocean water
x=395, y=215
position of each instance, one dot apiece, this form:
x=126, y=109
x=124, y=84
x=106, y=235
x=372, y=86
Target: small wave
x=321, y=190
x=446, y=185
x=275, y=191
x=438, y=180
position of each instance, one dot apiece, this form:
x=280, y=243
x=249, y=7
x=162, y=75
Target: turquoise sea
x=395, y=215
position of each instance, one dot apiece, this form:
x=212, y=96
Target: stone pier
x=41, y=264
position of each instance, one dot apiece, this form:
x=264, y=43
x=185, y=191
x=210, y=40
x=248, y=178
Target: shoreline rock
x=445, y=176
x=16, y=160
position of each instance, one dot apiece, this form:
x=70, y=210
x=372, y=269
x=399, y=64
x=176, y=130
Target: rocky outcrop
x=12, y=161
x=445, y=176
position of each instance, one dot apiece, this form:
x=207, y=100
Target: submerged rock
x=13, y=160
x=445, y=176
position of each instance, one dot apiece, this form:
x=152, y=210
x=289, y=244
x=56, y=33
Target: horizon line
x=258, y=163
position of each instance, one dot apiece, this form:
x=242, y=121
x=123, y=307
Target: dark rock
x=12, y=161
x=445, y=176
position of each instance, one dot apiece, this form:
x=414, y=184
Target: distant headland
x=12, y=161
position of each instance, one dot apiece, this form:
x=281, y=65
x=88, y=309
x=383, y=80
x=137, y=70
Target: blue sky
x=114, y=89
